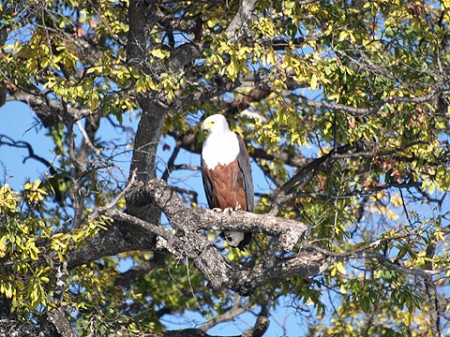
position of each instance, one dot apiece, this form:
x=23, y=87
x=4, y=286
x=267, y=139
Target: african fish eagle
x=226, y=173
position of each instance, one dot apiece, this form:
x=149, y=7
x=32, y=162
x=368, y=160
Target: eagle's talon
x=228, y=211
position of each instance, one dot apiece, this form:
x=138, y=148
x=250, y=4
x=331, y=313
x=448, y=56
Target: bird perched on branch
x=226, y=173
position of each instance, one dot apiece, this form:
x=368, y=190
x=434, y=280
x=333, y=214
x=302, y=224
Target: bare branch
x=232, y=313
x=158, y=230
x=262, y=322
x=87, y=140
x=243, y=16
x=6, y=140
x=171, y=161
x=119, y=237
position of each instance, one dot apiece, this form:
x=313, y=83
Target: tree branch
x=119, y=237
x=262, y=322
x=185, y=218
x=132, y=233
x=48, y=110
x=431, y=292
x=220, y=272
x=243, y=16
x=62, y=325
x=362, y=111
x=6, y=140
x=230, y=314
x=142, y=16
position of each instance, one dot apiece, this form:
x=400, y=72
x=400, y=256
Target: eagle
x=226, y=173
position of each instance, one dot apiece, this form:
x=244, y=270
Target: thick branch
x=141, y=18
x=243, y=15
x=120, y=237
x=132, y=233
x=186, y=218
x=188, y=242
x=220, y=272
x=62, y=325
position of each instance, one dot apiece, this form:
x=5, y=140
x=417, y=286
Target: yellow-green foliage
x=31, y=247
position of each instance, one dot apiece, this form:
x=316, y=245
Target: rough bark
x=120, y=237
x=243, y=16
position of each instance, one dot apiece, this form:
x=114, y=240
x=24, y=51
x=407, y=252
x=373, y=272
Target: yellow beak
x=206, y=125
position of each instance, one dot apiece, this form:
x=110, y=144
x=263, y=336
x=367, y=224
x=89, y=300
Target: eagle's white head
x=221, y=146
x=215, y=123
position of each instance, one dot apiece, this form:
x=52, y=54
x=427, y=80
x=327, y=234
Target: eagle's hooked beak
x=206, y=126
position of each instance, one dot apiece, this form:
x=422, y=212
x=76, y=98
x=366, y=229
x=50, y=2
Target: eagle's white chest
x=220, y=148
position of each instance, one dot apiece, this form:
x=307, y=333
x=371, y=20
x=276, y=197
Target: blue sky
x=17, y=122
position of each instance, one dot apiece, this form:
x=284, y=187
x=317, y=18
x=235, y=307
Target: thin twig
x=112, y=203
x=87, y=139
